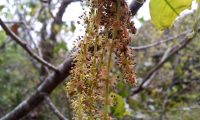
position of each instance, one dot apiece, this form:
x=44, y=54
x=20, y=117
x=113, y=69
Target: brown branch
x=25, y=47
x=160, y=42
x=58, y=17
x=173, y=51
x=136, y=5
x=49, y=9
x=54, y=109
x=13, y=22
x=49, y=84
x=39, y=10
x=148, y=82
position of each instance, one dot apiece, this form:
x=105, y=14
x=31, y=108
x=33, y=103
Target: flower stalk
x=102, y=50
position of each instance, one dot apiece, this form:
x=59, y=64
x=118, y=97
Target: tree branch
x=49, y=84
x=54, y=109
x=58, y=17
x=160, y=41
x=136, y=5
x=173, y=51
x=25, y=47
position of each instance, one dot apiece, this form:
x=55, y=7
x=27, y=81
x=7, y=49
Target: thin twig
x=49, y=9
x=173, y=51
x=13, y=22
x=54, y=109
x=45, y=88
x=25, y=47
x=188, y=38
x=27, y=29
x=148, y=82
x=160, y=41
x=38, y=12
x=165, y=100
x=49, y=84
x=58, y=17
x=136, y=5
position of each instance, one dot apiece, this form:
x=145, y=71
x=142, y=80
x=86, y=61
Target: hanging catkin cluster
x=103, y=50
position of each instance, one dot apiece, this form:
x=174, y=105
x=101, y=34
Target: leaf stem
x=107, y=91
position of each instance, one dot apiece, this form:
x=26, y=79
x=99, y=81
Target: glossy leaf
x=164, y=12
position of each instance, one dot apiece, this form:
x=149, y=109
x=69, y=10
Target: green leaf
x=118, y=105
x=164, y=12
x=124, y=90
x=60, y=46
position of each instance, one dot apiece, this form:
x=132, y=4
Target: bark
x=53, y=80
x=50, y=83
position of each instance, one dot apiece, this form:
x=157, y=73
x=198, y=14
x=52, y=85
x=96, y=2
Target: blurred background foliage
x=173, y=94
x=174, y=91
